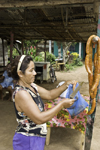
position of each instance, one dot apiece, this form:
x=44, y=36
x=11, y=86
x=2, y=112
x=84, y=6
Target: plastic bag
x=79, y=105
x=64, y=93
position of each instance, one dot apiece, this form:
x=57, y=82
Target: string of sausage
x=93, y=77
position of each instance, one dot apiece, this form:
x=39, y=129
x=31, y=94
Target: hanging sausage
x=93, y=75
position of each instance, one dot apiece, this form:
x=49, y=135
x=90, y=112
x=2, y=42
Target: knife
x=75, y=91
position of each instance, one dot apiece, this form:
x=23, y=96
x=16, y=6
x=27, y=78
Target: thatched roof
x=61, y=20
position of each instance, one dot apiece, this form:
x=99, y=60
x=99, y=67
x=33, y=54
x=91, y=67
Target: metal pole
x=50, y=46
x=80, y=44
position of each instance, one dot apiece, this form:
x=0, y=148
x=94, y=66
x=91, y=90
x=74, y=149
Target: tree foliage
x=27, y=44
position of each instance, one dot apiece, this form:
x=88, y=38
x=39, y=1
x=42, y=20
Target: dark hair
x=23, y=67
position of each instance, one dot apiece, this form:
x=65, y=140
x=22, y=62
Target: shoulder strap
x=17, y=88
x=35, y=87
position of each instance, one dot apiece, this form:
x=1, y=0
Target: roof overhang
x=72, y=20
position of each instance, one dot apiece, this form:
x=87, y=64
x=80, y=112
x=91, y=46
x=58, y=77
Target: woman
x=31, y=131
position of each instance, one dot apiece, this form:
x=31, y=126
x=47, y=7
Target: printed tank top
x=25, y=125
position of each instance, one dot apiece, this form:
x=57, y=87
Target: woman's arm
x=25, y=103
x=54, y=93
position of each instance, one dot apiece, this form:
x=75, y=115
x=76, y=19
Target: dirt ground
x=61, y=138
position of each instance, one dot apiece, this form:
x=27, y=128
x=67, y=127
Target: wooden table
x=63, y=119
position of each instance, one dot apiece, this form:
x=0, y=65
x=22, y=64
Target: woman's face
x=30, y=73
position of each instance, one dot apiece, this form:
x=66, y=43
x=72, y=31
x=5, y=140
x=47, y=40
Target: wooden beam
x=43, y=25
x=14, y=4
x=63, y=5
x=49, y=16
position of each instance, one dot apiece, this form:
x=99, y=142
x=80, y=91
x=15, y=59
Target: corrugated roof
x=72, y=20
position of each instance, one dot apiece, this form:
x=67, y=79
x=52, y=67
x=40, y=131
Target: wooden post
x=11, y=45
x=36, y=49
x=45, y=50
x=91, y=118
x=22, y=47
x=3, y=51
x=82, y=141
x=66, y=16
x=48, y=135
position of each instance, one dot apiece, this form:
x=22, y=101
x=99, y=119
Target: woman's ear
x=20, y=74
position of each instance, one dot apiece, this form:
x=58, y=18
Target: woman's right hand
x=67, y=102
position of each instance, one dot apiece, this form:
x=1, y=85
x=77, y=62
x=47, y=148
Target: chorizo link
x=93, y=107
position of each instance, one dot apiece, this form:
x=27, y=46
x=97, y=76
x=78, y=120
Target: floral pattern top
x=25, y=125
